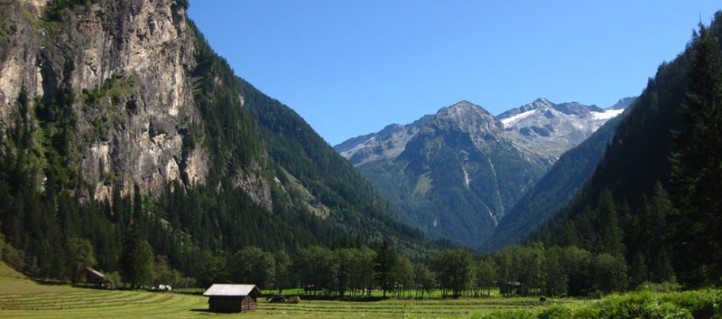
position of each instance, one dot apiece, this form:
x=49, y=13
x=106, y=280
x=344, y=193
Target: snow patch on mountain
x=516, y=118
x=607, y=114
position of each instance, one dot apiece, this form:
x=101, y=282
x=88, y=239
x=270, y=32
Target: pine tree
x=660, y=259
x=136, y=259
x=697, y=165
x=609, y=233
x=383, y=265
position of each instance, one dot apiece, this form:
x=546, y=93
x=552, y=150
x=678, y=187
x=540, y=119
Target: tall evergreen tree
x=609, y=233
x=136, y=259
x=697, y=164
x=383, y=266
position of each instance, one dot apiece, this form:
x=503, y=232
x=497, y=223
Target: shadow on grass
x=206, y=310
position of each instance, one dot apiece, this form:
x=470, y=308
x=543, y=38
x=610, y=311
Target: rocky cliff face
x=122, y=72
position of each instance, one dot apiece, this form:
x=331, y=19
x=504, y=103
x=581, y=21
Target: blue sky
x=350, y=67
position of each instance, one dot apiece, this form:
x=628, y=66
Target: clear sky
x=351, y=67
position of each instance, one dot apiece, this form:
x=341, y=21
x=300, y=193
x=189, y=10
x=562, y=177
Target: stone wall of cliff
x=122, y=70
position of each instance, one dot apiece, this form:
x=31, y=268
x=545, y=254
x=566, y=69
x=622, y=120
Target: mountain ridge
x=489, y=163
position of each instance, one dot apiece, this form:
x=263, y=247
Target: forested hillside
x=653, y=202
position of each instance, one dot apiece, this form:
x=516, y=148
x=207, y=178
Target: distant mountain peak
x=623, y=103
x=542, y=101
x=460, y=107
x=469, y=118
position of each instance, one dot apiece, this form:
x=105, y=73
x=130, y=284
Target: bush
x=701, y=303
x=644, y=305
x=556, y=312
x=509, y=314
x=667, y=286
x=13, y=257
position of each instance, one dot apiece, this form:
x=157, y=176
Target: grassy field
x=23, y=298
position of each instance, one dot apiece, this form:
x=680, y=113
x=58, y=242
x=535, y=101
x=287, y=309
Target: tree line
x=356, y=271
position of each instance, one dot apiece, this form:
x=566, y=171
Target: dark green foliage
x=383, y=265
x=453, y=271
x=80, y=255
x=697, y=162
x=252, y=265
x=648, y=259
x=609, y=234
x=136, y=258
x=282, y=271
x=317, y=269
x=485, y=275
x=610, y=273
x=230, y=133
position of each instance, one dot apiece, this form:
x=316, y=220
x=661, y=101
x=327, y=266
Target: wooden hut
x=509, y=288
x=96, y=277
x=232, y=298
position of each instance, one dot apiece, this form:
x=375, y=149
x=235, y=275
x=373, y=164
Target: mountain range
x=457, y=173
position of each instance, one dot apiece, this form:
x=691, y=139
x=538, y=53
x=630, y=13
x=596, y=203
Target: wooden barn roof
x=232, y=290
x=95, y=273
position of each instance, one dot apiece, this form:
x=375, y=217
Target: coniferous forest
x=650, y=214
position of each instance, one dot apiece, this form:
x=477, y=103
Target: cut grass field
x=23, y=298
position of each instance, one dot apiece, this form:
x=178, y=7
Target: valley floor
x=23, y=298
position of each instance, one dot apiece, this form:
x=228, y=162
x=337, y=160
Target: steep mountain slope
x=327, y=185
x=555, y=189
x=452, y=174
x=455, y=174
x=117, y=119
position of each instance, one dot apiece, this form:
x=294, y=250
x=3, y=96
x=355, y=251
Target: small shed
x=509, y=288
x=232, y=297
x=96, y=277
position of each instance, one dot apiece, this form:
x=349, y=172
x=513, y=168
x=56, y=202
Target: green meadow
x=24, y=298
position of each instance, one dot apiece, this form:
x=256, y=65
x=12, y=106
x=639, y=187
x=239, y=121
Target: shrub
x=644, y=305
